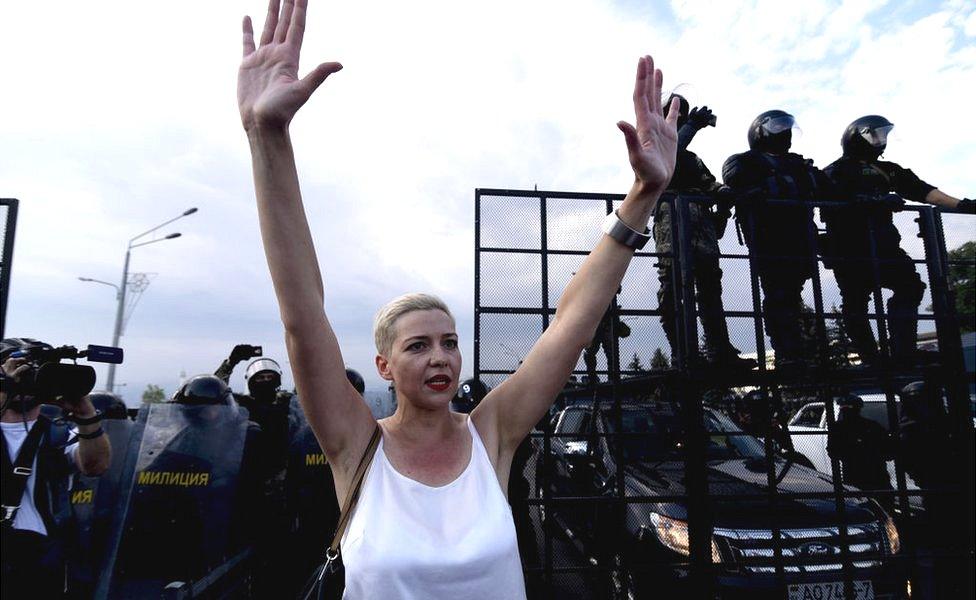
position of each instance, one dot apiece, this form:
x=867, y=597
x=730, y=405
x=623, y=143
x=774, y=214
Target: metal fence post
x=690, y=390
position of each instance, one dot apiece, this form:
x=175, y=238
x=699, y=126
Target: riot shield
x=182, y=501
x=93, y=502
x=312, y=503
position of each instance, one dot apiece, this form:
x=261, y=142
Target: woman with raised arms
x=432, y=520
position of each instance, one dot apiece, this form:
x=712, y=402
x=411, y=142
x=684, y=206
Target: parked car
x=808, y=429
x=653, y=536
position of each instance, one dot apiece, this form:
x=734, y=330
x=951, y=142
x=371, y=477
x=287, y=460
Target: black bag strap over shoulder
x=17, y=471
x=328, y=580
x=353, y=494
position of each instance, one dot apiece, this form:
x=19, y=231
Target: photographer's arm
x=94, y=455
x=518, y=404
x=269, y=95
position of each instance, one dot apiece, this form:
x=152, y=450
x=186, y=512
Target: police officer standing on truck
x=864, y=182
x=608, y=330
x=779, y=235
x=706, y=227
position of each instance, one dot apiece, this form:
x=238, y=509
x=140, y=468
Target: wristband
x=95, y=418
x=90, y=436
x=619, y=231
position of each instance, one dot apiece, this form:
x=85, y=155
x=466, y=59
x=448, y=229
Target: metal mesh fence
x=8, y=226
x=658, y=473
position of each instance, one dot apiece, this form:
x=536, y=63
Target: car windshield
x=664, y=437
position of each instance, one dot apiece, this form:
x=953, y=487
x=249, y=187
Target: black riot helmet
x=110, y=405
x=867, y=137
x=356, y=380
x=772, y=132
x=205, y=390
x=849, y=405
x=683, y=108
x=921, y=400
x=754, y=403
x=469, y=394
x=914, y=391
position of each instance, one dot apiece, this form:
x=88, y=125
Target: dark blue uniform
x=850, y=229
x=781, y=237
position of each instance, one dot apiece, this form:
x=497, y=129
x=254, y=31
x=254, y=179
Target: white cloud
x=120, y=115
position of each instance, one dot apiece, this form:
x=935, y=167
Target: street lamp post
x=120, y=309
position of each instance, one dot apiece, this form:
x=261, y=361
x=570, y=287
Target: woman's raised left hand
x=652, y=145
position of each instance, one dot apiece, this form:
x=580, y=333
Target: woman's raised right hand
x=269, y=92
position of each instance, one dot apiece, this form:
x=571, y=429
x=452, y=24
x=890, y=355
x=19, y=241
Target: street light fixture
x=90, y=280
x=110, y=383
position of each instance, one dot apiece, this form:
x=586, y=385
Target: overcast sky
x=117, y=116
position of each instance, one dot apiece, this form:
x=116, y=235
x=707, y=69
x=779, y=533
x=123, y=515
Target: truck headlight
x=673, y=534
x=891, y=532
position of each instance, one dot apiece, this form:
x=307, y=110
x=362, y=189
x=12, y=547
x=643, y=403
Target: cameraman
x=33, y=524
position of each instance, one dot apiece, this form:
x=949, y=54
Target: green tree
x=635, y=364
x=659, y=361
x=838, y=344
x=153, y=394
x=962, y=281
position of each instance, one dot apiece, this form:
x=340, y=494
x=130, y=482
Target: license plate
x=833, y=590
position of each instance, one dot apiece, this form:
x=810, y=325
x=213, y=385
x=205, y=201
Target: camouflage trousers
x=707, y=275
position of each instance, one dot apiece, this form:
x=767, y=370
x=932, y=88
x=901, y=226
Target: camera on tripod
x=50, y=378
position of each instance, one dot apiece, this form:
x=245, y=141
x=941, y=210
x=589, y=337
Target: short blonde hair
x=384, y=326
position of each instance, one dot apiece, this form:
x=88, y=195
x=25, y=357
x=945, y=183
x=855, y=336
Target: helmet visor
x=774, y=125
x=876, y=136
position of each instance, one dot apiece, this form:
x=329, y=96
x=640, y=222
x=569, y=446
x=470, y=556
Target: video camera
x=48, y=377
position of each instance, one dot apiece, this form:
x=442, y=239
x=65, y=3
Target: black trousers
x=782, y=289
x=896, y=272
x=604, y=339
x=708, y=294
x=33, y=566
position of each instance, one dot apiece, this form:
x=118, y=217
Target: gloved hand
x=724, y=200
x=893, y=202
x=750, y=195
x=967, y=205
x=721, y=221
x=701, y=117
x=243, y=352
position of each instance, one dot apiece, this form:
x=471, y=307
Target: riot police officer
x=862, y=446
x=270, y=408
x=311, y=501
x=608, y=330
x=705, y=227
x=469, y=394
x=935, y=461
x=188, y=508
x=266, y=403
x=780, y=235
x=762, y=417
x=863, y=181
x=925, y=446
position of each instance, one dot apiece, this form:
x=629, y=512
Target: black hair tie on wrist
x=90, y=436
x=95, y=418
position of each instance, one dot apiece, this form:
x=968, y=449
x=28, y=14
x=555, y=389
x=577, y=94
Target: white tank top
x=410, y=541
